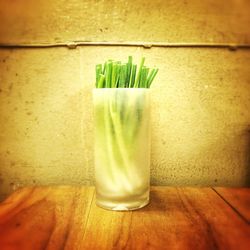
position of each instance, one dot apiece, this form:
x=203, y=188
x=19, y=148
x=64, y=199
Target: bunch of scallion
x=114, y=74
x=122, y=127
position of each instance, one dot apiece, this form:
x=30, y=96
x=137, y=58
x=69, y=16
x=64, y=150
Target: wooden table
x=177, y=218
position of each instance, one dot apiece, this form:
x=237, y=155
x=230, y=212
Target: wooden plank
x=177, y=218
x=42, y=218
x=106, y=229
x=66, y=218
x=238, y=198
x=28, y=21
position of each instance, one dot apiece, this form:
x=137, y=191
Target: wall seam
x=75, y=44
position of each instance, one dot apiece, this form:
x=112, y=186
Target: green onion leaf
x=108, y=74
x=129, y=68
x=98, y=70
x=151, y=77
x=143, y=83
x=123, y=75
x=132, y=77
x=136, y=85
x=118, y=75
x=101, y=81
x=114, y=74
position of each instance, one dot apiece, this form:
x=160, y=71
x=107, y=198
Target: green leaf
x=123, y=75
x=108, y=74
x=98, y=70
x=101, y=81
x=152, y=76
x=137, y=79
x=132, y=78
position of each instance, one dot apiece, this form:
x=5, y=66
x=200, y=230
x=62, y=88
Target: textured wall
x=122, y=20
x=200, y=98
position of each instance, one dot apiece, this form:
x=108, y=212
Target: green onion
x=146, y=76
x=143, y=78
x=129, y=67
x=132, y=76
x=151, y=77
x=117, y=78
x=119, y=116
x=98, y=72
x=136, y=85
x=108, y=74
x=104, y=68
x=114, y=74
x=101, y=81
x=123, y=75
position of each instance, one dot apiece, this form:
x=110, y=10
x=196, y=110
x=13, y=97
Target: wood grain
x=42, y=218
x=177, y=218
x=183, y=218
x=238, y=198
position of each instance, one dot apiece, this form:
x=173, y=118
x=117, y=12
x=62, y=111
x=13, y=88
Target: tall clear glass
x=122, y=147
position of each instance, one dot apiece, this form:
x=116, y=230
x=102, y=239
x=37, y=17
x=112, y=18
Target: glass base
x=122, y=206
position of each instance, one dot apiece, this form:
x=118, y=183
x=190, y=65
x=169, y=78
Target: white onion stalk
x=122, y=139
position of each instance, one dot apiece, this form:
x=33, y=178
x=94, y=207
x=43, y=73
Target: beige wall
x=200, y=98
x=122, y=20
